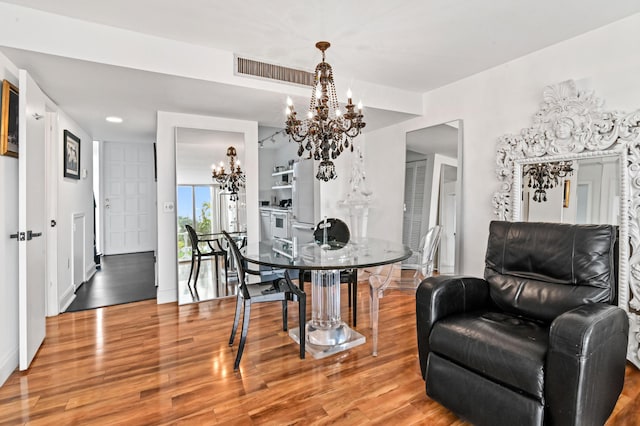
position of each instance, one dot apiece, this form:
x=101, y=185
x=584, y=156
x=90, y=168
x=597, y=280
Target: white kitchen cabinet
x=265, y=224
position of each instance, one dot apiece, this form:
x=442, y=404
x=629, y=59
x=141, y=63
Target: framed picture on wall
x=9, y=120
x=71, y=157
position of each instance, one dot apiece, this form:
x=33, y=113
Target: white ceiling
x=414, y=45
x=441, y=139
x=198, y=149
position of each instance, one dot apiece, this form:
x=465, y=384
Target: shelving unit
x=281, y=173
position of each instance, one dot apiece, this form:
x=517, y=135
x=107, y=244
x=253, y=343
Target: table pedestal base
x=349, y=338
x=326, y=333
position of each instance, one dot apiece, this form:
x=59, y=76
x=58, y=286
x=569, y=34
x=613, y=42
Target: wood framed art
x=71, y=156
x=9, y=120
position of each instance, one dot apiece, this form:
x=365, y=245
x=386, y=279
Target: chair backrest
x=239, y=261
x=541, y=270
x=336, y=231
x=193, y=236
x=429, y=246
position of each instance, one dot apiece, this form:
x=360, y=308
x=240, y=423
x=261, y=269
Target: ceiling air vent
x=246, y=66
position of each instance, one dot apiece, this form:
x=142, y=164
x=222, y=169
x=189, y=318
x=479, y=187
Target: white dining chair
x=392, y=276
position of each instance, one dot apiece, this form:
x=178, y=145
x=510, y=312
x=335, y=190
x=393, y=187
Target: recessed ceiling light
x=113, y=119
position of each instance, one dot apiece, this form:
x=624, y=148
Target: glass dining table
x=326, y=333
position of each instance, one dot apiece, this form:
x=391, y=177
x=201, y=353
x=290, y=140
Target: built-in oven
x=280, y=224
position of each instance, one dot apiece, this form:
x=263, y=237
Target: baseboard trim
x=166, y=296
x=8, y=365
x=67, y=297
x=91, y=271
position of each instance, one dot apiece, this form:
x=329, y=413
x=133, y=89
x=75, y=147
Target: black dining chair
x=335, y=231
x=278, y=289
x=196, y=257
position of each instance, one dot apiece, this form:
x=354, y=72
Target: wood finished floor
x=148, y=364
x=122, y=278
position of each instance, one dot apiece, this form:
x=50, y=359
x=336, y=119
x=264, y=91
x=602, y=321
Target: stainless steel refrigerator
x=303, y=203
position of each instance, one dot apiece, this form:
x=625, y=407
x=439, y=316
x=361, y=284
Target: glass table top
x=360, y=253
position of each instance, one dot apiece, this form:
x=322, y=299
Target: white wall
x=334, y=191
x=167, y=276
x=498, y=101
x=384, y=153
x=266, y=163
x=8, y=249
x=433, y=197
x=74, y=197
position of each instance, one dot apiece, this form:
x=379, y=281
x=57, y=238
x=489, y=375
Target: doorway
x=124, y=191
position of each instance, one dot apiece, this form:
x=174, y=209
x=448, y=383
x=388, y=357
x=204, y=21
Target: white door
x=129, y=198
x=414, y=204
x=31, y=221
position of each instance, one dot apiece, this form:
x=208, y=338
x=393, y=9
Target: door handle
x=31, y=235
x=22, y=236
x=306, y=228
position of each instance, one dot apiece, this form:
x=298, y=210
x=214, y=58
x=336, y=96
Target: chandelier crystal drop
x=327, y=130
x=543, y=176
x=233, y=180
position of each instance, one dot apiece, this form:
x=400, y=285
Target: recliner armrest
x=580, y=331
x=441, y=296
x=585, y=364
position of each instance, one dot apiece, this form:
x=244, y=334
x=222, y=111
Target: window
x=196, y=204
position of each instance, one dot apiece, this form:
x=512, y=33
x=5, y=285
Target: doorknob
x=31, y=235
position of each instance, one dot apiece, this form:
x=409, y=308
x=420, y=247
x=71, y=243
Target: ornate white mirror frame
x=571, y=125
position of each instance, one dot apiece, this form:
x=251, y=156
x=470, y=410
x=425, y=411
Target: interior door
x=31, y=219
x=414, y=198
x=129, y=198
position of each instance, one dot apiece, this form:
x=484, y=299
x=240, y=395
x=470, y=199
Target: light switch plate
x=168, y=206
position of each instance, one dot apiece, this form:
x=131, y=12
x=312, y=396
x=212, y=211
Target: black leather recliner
x=536, y=341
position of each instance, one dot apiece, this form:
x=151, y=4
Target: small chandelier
x=543, y=176
x=232, y=181
x=327, y=130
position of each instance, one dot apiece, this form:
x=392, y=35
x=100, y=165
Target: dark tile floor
x=123, y=278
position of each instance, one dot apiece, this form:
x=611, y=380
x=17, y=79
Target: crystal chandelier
x=327, y=130
x=232, y=181
x=543, y=176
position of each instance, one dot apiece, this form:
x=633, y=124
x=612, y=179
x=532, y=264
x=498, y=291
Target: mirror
x=208, y=210
x=571, y=125
x=590, y=193
x=432, y=190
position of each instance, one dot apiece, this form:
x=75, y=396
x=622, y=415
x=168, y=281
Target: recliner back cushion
x=540, y=270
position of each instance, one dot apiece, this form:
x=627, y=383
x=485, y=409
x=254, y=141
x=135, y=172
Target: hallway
x=123, y=278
